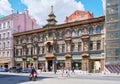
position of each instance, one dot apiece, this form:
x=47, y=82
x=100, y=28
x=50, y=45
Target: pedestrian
x=73, y=70
x=62, y=71
x=68, y=72
x=33, y=74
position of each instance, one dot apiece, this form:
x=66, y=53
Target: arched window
x=72, y=47
x=73, y=33
x=91, y=31
x=80, y=32
x=98, y=30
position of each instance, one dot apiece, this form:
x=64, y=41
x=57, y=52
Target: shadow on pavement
x=17, y=79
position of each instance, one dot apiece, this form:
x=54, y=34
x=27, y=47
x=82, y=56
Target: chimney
x=26, y=12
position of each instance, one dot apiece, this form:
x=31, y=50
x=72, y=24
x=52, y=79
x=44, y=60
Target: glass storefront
x=76, y=64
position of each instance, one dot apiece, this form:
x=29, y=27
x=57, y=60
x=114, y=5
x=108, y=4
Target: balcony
x=85, y=54
x=68, y=54
x=68, y=38
x=49, y=40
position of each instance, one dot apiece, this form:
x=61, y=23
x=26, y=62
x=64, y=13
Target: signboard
x=55, y=61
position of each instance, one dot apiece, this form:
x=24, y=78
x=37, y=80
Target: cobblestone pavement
x=51, y=78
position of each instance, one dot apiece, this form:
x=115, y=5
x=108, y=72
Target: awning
x=49, y=55
x=5, y=61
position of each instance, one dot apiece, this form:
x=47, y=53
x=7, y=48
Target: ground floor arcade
x=94, y=65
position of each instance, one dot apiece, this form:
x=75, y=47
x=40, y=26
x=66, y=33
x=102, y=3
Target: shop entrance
x=6, y=65
x=50, y=67
x=76, y=64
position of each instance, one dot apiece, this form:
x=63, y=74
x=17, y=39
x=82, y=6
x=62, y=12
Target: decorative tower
x=51, y=20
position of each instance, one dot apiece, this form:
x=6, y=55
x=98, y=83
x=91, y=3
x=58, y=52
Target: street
x=51, y=78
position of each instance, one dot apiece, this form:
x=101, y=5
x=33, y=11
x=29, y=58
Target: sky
x=39, y=9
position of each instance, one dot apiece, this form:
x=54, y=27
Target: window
x=50, y=49
x=72, y=47
x=50, y=34
x=73, y=33
x=98, y=30
x=63, y=35
x=79, y=46
x=57, y=50
x=0, y=36
x=3, y=25
x=91, y=31
x=39, y=49
x=82, y=16
x=63, y=48
x=43, y=37
x=0, y=45
x=98, y=44
x=4, y=35
x=8, y=45
x=4, y=45
x=57, y=35
x=8, y=54
x=43, y=50
x=8, y=24
x=91, y=45
x=8, y=34
x=80, y=33
x=0, y=26
x=31, y=51
x=39, y=38
x=3, y=54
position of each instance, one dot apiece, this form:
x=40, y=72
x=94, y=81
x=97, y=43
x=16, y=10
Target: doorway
x=50, y=67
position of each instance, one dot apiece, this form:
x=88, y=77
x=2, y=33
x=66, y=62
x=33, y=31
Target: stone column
x=102, y=44
x=54, y=36
x=94, y=45
x=35, y=63
x=60, y=48
x=35, y=50
x=76, y=47
x=68, y=63
x=29, y=50
x=102, y=65
x=82, y=46
x=24, y=63
x=85, y=64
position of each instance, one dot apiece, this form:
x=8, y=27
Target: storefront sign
x=18, y=59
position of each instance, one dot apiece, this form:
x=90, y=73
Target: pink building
x=79, y=15
x=10, y=24
x=23, y=22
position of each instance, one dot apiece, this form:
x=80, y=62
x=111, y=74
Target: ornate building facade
x=77, y=44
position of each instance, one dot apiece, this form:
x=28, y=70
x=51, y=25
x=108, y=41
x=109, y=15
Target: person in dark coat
x=33, y=74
